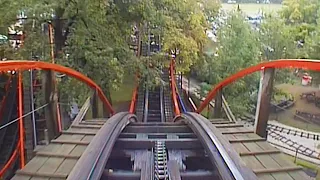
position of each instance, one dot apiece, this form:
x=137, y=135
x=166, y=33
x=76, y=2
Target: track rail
x=96, y=155
x=220, y=152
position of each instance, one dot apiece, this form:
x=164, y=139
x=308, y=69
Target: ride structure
x=157, y=138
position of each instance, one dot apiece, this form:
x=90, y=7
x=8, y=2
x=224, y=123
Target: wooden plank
x=237, y=132
x=74, y=132
x=252, y=153
x=282, y=161
x=65, y=148
x=40, y=178
x=51, y=165
x=246, y=140
x=228, y=125
x=78, y=150
x=21, y=177
x=269, y=164
x=87, y=138
x=91, y=123
x=278, y=170
x=35, y=164
x=66, y=166
x=37, y=174
x=76, y=137
x=265, y=176
x=49, y=154
x=50, y=148
x=86, y=126
x=70, y=142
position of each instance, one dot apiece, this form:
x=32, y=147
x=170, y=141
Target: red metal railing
x=27, y=65
x=281, y=63
x=173, y=89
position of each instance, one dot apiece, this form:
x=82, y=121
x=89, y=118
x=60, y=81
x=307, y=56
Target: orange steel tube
x=173, y=90
x=133, y=100
x=281, y=63
x=11, y=160
x=134, y=96
x=26, y=65
x=21, y=128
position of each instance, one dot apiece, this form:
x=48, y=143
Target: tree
x=239, y=48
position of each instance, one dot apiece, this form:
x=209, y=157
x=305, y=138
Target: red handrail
x=27, y=65
x=281, y=63
x=11, y=160
x=173, y=90
x=3, y=101
x=134, y=97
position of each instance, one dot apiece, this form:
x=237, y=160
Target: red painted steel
x=173, y=90
x=26, y=65
x=134, y=97
x=281, y=63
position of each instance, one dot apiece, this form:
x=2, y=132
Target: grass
x=253, y=8
x=124, y=92
x=120, y=98
x=305, y=164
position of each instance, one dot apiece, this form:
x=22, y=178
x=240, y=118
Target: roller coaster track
x=188, y=147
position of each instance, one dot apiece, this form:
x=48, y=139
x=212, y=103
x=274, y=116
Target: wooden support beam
x=253, y=153
x=28, y=121
x=95, y=105
x=246, y=140
x=50, y=154
x=52, y=100
x=276, y=170
x=218, y=105
x=263, y=104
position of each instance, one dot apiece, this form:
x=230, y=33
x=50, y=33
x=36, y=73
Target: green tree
x=239, y=48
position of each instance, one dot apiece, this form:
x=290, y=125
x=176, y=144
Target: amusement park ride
x=161, y=136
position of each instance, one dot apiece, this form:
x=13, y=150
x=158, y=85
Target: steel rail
x=231, y=163
x=97, y=153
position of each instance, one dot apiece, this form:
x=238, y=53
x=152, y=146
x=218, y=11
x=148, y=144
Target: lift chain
x=160, y=161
